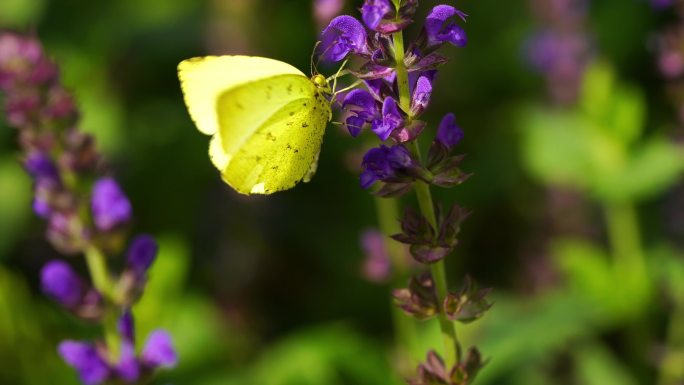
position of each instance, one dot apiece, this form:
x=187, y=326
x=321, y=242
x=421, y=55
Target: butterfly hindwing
x=274, y=147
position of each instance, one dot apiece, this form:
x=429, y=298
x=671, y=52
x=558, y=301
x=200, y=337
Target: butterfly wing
x=267, y=119
x=273, y=145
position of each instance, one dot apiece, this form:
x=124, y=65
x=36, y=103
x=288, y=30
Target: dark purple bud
x=449, y=133
x=17, y=56
x=469, y=304
x=419, y=299
x=440, y=30
x=390, y=121
x=41, y=167
x=377, y=266
x=159, y=351
x=110, y=207
x=373, y=11
x=342, y=36
x=126, y=326
x=66, y=233
x=61, y=282
x=141, y=254
x=367, y=179
x=661, y=4
x=85, y=358
x=421, y=95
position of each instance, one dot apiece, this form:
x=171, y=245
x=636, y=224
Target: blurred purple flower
x=440, y=30
x=342, y=36
x=326, y=10
x=159, y=351
x=110, y=206
x=449, y=133
x=60, y=281
x=377, y=266
x=141, y=254
x=86, y=359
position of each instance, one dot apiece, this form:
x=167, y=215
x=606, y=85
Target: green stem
x=452, y=348
x=671, y=369
x=97, y=266
x=625, y=240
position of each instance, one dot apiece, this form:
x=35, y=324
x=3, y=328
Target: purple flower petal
x=360, y=99
x=110, y=206
x=391, y=119
x=343, y=35
x=85, y=358
x=449, y=133
x=60, y=282
x=377, y=266
x=158, y=350
x=142, y=253
x=382, y=163
x=439, y=30
x=421, y=95
x=128, y=367
x=373, y=11
x=354, y=125
x=40, y=166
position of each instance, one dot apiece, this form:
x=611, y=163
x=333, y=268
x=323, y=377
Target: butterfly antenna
x=314, y=66
x=335, y=93
x=338, y=74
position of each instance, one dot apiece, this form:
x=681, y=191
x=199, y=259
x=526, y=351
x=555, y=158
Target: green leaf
x=596, y=365
x=653, y=168
x=15, y=202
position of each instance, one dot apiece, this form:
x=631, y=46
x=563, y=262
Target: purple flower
x=449, y=133
x=159, y=351
x=420, y=97
x=85, y=358
x=41, y=167
x=390, y=120
x=382, y=163
x=61, y=283
x=343, y=35
x=109, y=205
x=362, y=107
x=377, y=266
x=440, y=30
x=661, y=4
x=141, y=254
x=128, y=367
x=325, y=10
x=373, y=11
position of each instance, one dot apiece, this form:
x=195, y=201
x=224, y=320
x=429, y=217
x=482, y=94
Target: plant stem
x=452, y=348
x=671, y=370
x=625, y=239
x=438, y=270
x=97, y=266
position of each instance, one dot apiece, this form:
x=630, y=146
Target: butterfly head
x=321, y=83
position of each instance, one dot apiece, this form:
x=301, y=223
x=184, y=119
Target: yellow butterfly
x=266, y=117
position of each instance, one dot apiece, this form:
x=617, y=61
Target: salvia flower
x=342, y=36
x=383, y=163
x=95, y=365
x=109, y=204
x=449, y=134
x=87, y=359
x=374, y=11
x=141, y=253
x=377, y=266
x=61, y=282
x=440, y=28
x=434, y=371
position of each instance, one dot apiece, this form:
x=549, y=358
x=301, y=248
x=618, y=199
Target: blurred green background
x=269, y=291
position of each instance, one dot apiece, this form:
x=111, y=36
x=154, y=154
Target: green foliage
x=15, y=202
x=596, y=147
